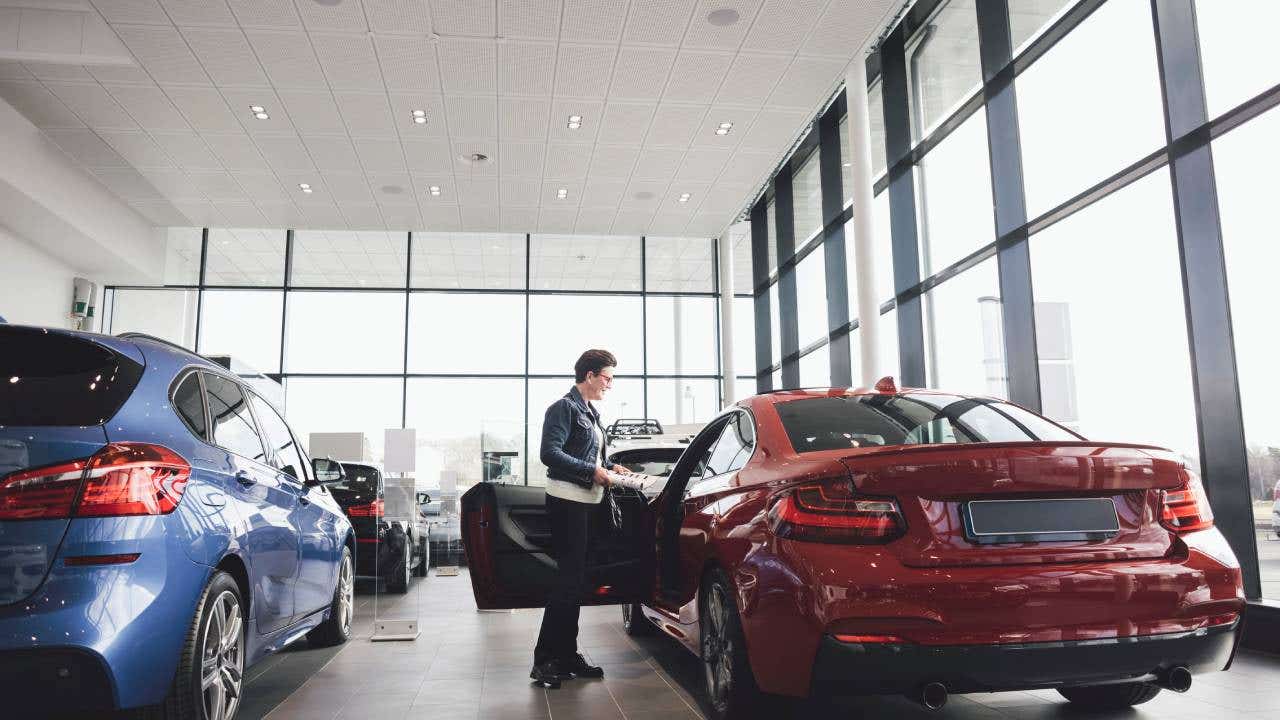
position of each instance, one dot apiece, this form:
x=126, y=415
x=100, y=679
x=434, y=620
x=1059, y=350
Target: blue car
x=161, y=529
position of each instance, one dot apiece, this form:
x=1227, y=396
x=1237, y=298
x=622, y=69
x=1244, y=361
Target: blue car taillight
x=120, y=479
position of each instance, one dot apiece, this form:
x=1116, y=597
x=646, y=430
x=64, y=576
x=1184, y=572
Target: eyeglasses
x=608, y=379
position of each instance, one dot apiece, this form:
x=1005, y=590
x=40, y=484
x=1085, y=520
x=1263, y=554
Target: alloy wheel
x=222, y=658
x=346, y=595
x=717, y=649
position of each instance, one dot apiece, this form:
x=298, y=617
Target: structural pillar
x=864, y=267
x=728, y=372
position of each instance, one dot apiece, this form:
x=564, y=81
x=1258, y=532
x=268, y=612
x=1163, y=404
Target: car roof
x=776, y=397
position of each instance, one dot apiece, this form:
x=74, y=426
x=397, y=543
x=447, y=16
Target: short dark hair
x=593, y=361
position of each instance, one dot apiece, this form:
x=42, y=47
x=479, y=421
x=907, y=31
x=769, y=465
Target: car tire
x=1110, y=697
x=214, y=645
x=420, y=570
x=337, y=628
x=398, y=578
x=727, y=678
x=634, y=622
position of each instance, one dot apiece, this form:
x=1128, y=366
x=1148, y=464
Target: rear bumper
x=56, y=680
x=877, y=669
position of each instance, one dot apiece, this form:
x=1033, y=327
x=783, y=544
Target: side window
x=728, y=449
x=188, y=402
x=746, y=434
x=285, y=455
x=233, y=426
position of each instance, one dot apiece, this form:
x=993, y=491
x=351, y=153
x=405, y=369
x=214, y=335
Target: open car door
x=507, y=538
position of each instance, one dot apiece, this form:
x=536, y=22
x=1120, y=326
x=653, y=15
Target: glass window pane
x=233, y=427
x=166, y=314
x=811, y=297
x=245, y=257
x=679, y=401
x=188, y=401
x=1028, y=19
x=343, y=258
x=344, y=405
x=343, y=332
x=743, y=279
x=284, y=451
x=562, y=327
x=486, y=416
x=744, y=335
x=1092, y=346
x=244, y=324
x=681, y=335
x=806, y=200
x=743, y=388
x=964, y=336
x=815, y=368
x=888, y=342
x=585, y=262
x=884, y=247
x=1245, y=161
x=955, y=197
x=624, y=399
x=944, y=65
x=680, y=264
x=468, y=333
x=182, y=255
x=1085, y=114
x=479, y=261
x=1238, y=51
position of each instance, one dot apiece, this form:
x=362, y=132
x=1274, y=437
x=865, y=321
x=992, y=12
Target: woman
x=578, y=471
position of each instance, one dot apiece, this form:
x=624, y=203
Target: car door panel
x=318, y=546
x=265, y=506
x=507, y=537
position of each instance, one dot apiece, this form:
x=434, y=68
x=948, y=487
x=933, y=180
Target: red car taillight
x=120, y=479
x=1186, y=509
x=831, y=511
x=373, y=509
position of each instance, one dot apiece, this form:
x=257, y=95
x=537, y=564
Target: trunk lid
x=57, y=388
x=934, y=483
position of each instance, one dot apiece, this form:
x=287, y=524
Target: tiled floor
x=469, y=665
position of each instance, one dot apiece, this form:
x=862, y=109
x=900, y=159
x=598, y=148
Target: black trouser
x=572, y=526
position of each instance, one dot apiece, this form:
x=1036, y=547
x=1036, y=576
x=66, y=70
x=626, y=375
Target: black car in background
x=389, y=542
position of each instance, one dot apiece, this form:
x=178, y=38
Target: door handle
x=244, y=478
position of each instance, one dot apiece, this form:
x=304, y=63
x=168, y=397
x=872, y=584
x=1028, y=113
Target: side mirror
x=423, y=498
x=328, y=470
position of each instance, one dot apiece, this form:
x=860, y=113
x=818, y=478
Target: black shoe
x=579, y=667
x=549, y=674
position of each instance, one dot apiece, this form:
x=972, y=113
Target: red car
x=855, y=542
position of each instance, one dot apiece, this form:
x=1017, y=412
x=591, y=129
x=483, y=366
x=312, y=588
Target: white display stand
x=400, y=453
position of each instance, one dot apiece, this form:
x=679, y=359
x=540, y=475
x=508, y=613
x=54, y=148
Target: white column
x=724, y=249
x=868, y=310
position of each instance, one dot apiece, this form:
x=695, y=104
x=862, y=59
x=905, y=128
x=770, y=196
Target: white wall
x=35, y=288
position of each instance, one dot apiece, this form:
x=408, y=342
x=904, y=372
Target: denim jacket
x=569, y=447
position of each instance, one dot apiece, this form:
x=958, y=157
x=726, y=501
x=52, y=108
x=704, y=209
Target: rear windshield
x=649, y=461
x=48, y=378
x=359, y=485
x=874, y=420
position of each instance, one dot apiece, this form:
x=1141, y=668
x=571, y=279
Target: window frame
x=250, y=394
x=182, y=376
x=257, y=429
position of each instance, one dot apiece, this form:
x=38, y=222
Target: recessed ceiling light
x=724, y=128
x=575, y=122
x=419, y=113
x=562, y=193
x=304, y=187
x=419, y=116
x=420, y=120
x=574, y=125
x=723, y=17
x=684, y=197
x=435, y=190
x=257, y=108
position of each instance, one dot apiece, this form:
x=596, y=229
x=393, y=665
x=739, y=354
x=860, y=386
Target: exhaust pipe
x=932, y=696
x=1177, y=679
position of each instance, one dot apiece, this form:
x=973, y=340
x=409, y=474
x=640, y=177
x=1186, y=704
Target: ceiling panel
x=752, y=77
x=808, y=82
x=398, y=16
x=584, y=70
x=287, y=57
x=199, y=12
x=313, y=112
x=38, y=105
x=674, y=125
x=468, y=66
x=472, y=117
x=408, y=63
x=149, y=107
x=704, y=34
x=346, y=15
x=523, y=118
x=137, y=148
x=625, y=122
x=464, y=17
x=521, y=159
x=163, y=52
x=366, y=114
x=265, y=13
x=93, y=105
x=658, y=22
x=333, y=153
x=593, y=20
x=132, y=11
x=429, y=156
x=782, y=25
x=86, y=147
x=526, y=68
x=187, y=149
x=568, y=161
x=226, y=56
x=529, y=19
x=348, y=60
x=696, y=76
x=262, y=187
x=380, y=155
x=287, y=153
x=641, y=73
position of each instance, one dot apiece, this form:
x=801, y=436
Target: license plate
x=1056, y=520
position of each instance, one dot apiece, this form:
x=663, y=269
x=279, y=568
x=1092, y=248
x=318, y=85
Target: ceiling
x=174, y=136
